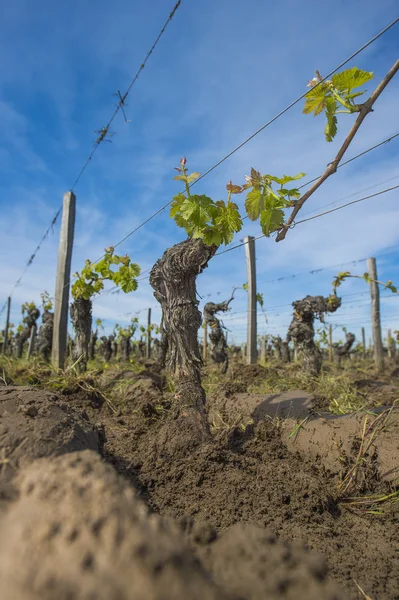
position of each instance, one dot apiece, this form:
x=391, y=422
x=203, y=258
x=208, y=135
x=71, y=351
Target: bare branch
x=365, y=109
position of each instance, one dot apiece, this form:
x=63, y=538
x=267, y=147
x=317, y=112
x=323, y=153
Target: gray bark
x=340, y=351
x=45, y=336
x=301, y=329
x=81, y=319
x=216, y=336
x=125, y=348
x=173, y=279
x=29, y=321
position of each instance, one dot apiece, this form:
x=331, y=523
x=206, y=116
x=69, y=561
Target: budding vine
x=90, y=280
x=338, y=279
x=267, y=196
x=128, y=331
x=330, y=95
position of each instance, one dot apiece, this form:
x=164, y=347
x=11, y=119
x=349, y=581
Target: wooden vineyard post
x=149, y=334
x=364, y=342
x=5, y=342
x=60, y=332
x=204, y=349
x=32, y=340
x=263, y=350
x=375, y=315
x=252, y=309
x=330, y=345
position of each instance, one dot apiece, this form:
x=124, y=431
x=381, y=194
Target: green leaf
x=212, y=237
x=254, y=203
x=350, y=78
x=287, y=178
x=176, y=204
x=197, y=210
x=192, y=177
x=331, y=127
x=271, y=220
x=315, y=99
x=294, y=193
x=355, y=95
x=367, y=277
x=229, y=221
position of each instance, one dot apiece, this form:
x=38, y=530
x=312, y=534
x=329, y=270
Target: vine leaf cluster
x=90, y=280
x=128, y=331
x=333, y=94
x=338, y=279
x=268, y=196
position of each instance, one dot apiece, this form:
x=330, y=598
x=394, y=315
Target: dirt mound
x=59, y=541
x=35, y=423
x=247, y=374
x=258, y=480
x=133, y=389
x=249, y=561
x=333, y=441
x=381, y=392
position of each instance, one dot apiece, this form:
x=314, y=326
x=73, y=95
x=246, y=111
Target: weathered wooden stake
x=375, y=315
x=330, y=344
x=205, y=346
x=149, y=334
x=32, y=340
x=5, y=342
x=60, y=333
x=263, y=349
x=252, y=309
x=364, y=343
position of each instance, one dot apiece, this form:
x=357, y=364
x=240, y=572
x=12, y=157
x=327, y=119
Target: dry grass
x=37, y=373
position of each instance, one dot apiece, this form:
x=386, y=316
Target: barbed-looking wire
x=104, y=131
x=141, y=278
x=295, y=223
x=267, y=124
x=162, y=208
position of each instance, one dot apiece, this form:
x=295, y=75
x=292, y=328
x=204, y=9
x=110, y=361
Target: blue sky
x=221, y=71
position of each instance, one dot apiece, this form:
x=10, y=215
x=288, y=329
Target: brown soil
x=252, y=477
x=77, y=531
x=35, y=423
x=235, y=497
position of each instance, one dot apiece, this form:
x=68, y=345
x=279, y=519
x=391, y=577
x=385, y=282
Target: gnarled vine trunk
x=45, y=336
x=173, y=279
x=125, y=348
x=93, y=342
x=106, y=348
x=163, y=347
x=29, y=321
x=282, y=349
x=301, y=329
x=340, y=351
x=81, y=320
x=216, y=335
